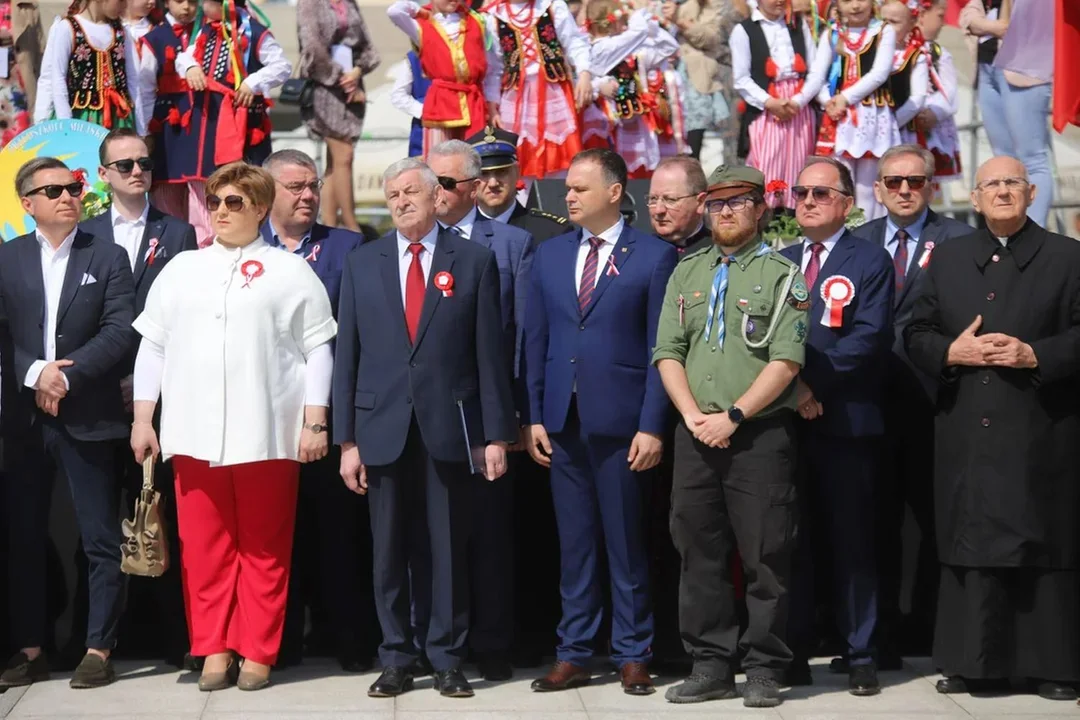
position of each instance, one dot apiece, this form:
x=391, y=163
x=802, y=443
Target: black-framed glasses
x=53, y=192
x=449, y=183
x=298, y=188
x=233, y=203
x=894, y=182
x=737, y=204
x=666, y=200
x=822, y=194
x=146, y=164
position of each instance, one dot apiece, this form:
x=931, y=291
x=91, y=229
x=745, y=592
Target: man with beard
x=729, y=346
x=998, y=323
x=676, y=203
x=497, y=198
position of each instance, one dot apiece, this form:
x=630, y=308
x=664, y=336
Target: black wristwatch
x=316, y=428
x=735, y=415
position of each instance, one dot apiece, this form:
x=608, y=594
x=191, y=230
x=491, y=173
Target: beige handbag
x=145, y=550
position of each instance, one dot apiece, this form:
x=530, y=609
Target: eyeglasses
x=297, y=188
x=449, y=183
x=666, y=201
x=233, y=203
x=822, y=195
x=1011, y=184
x=53, y=192
x=894, y=182
x=737, y=204
x=146, y=164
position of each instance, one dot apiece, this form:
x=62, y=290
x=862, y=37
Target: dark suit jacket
x=606, y=350
x=325, y=250
x=93, y=329
x=845, y=366
x=457, y=365
x=937, y=230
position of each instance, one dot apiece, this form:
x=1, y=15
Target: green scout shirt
x=756, y=301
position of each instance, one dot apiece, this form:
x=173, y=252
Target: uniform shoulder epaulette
x=775, y=255
x=699, y=251
x=537, y=212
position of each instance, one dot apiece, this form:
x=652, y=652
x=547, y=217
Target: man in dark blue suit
x=597, y=411
x=841, y=393
x=151, y=239
x=909, y=233
x=67, y=302
x=332, y=545
x=422, y=395
x=491, y=547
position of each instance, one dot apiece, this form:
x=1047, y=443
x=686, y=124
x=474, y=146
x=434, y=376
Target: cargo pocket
x=781, y=521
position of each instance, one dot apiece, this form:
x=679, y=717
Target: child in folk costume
x=771, y=53
x=625, y=52
x=910, y=80
x=90, y=69
x=935, y=125
x=459, y=55
x=141, y=17
x=539, y=39
x=230, y=66
x=852, y=65
x=410, y=89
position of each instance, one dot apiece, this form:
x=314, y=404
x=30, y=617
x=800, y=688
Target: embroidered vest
x=899, y=85
x=759, y=72
x=627, y=102
x=552, y=59
x=93, y=75
x=864, y=62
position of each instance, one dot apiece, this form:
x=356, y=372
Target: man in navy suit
x=67, y=302
x=332, y=545
x=909, y=233
x=841, y=393
x=151, y=239
x=422, y=394
x=597, y=412
x=491, y=547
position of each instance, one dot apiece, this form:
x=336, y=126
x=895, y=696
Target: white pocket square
x=87, y=279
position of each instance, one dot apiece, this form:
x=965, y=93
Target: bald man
x=998, y=324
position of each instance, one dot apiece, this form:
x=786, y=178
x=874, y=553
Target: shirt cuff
x=34, y=373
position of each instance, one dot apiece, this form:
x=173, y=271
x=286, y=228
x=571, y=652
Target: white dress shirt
x=128, y=234
x=276, y=68
x=465, y=225
x=54, y=263
x=243, y=342
x=504, y=216
x=781, y=51
x=610, y=237
x=401, y=95
x=828, y=244
x=405, y=257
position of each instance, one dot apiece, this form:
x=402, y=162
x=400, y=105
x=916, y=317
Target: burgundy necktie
x=900, y=258
x=588, y=275
x=814, y=266
x=414, y=291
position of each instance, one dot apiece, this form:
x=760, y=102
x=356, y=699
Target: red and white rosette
x=151, y=251
x=837, y=292
x=924, y=259
x=250, y=270
x=444, y=281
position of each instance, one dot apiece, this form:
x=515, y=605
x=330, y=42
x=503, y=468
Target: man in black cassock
x=999, y=325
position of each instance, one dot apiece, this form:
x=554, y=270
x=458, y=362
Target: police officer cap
x=497, y=147
x=731, y=180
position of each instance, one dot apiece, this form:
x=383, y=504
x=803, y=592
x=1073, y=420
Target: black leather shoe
x=93, y=672
x=1056, y=691
x=495, y=668
x=798, y=674
x=951, y=685
x=393, y=681
x=23, y=671
x=862, y=681
x=452, y=683
x=887, y=661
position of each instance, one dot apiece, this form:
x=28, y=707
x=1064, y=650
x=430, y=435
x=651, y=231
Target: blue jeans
x=992, y=110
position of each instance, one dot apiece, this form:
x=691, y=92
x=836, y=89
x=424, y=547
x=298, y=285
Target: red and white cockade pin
x=837, y=292
x=444, y=281
x=924, y=259
x=611, y=269
x=251, y=270
x=151, y=252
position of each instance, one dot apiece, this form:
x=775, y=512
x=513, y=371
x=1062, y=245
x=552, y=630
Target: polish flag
x=1066, y=61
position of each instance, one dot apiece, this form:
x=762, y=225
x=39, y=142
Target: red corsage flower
x=776, y=186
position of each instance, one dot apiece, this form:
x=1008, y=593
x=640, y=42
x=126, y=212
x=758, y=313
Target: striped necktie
x=588, y=274
x=900, y=258
x=716, y=302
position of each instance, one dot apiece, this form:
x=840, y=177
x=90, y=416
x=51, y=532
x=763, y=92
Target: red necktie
x=814, y=266
x=588, y=275
x=414, y=291
x=900, y=258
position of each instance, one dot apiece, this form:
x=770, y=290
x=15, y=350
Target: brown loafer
x=636, y=679
x=562, y=676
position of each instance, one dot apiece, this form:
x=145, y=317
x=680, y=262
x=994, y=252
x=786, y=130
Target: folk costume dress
x=539, y=40
x=90, y=69
x=459, y=55
x=943, y=140
x=771, y=59
x=909, y=83
x=218, y=132
x=665, y=85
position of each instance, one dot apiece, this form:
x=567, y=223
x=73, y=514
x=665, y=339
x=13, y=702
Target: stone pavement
x=319, y=691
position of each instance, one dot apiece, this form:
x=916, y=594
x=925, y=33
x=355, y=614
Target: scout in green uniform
x=729, y=346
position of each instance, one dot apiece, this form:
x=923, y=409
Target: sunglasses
x=894, y=182
x=53, y=192
x=822, y=195
x=233, y=203
x=126, y=165
x=449, y=183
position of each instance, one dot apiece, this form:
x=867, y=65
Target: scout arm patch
x=799, y=297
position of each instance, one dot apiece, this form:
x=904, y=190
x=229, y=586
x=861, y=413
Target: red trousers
x=236, y=533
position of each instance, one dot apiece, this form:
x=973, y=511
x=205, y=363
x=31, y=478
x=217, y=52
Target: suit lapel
x=929, y=234
x=31, y=264
x=839, y=255
x=391, y=282
x=442, y=262
x=155, y=228
x=483, y=231
x=82, y=252
x=624, y=247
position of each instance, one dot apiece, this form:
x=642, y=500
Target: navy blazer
x=606, y=350
x=845, y=366
x=456, y=366
x=325, y=250
x=513, y=248
x=93, y=330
